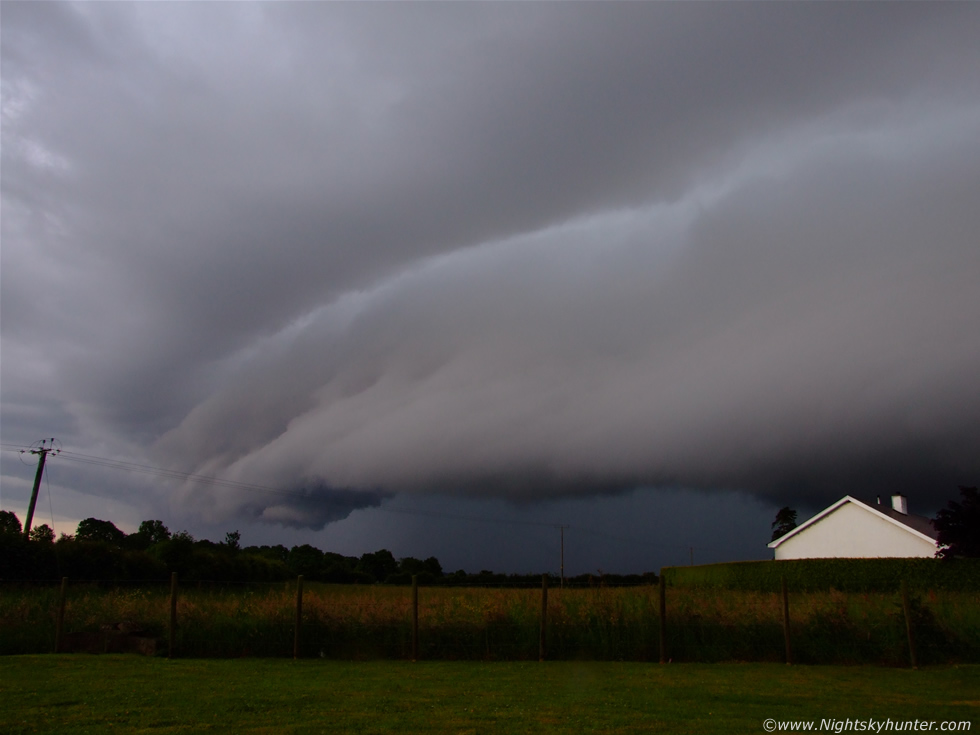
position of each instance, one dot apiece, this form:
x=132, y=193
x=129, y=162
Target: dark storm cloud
x=767, y=344
x=517, y=249
x=311, y=504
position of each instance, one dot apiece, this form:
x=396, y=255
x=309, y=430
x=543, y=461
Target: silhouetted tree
x=176, y=553
x=380, y=564
x=92, y=529
x=429, y=567
x=43, y=534
x=276, y=553
x=148, y=534
x=10, y=523
x=958, y=525
x=433, y=566
x=233, y=540
x=784, y=523
x=306, y=560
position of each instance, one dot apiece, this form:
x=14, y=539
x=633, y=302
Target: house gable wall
x=852, y=532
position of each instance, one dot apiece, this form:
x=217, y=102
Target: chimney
x=900, y=503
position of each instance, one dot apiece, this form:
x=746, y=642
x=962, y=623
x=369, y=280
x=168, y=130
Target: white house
x=851, y=528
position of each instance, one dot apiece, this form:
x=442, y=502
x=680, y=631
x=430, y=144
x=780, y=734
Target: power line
x=176, y=474
x=163, y=472
x=13, y=447
x=219, y=482
x=119, y=464
x=478, y=519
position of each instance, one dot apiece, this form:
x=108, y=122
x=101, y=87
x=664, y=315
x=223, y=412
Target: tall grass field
x=357, y=622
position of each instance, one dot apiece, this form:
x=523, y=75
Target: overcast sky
x=450, y=275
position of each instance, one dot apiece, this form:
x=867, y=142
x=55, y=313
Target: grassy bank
x=89, y=694
x=821, y=575
x=371, y=622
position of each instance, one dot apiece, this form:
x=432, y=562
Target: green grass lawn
x=97, y=694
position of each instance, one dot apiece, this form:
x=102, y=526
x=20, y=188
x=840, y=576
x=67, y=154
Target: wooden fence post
x=542, y=639
x=297, y=635
x=415, y=617
x=663, y=617
x=786, y=636
x=907, y=608
x=60, y=624
x=173, y=615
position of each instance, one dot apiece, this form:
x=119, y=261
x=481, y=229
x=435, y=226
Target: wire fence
x=637, y=623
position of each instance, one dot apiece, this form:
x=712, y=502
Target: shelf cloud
x=496, y=250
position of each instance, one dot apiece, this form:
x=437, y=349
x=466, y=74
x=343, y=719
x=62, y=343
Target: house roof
x=917, y=525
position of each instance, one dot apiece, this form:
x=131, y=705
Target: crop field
x=129, y=694
x=374, y=622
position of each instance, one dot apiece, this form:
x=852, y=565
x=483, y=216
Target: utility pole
x=561, y=584
x=42, y=452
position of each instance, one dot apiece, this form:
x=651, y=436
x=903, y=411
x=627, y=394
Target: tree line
x=98, y=550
